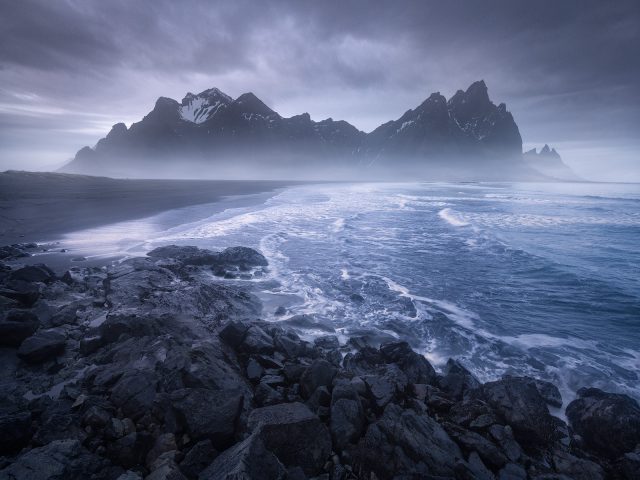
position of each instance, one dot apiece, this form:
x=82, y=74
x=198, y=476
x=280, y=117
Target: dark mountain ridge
x=549, y=162
x=211, y=135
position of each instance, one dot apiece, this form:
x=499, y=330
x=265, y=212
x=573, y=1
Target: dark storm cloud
x=567, y=70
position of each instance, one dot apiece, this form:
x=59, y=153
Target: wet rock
x=96, y=416
x=384, y=386
x=248, y=459
x=517, y=401
x=327, y=342
x=405, y=444
x=32, y=274
x=8, y=252
x=17, y=326
x=187, y=255
x=233, y=333
x=135, y=393
x=89, y=345
x=470, y=412
x=478, y=468
x=242, y=257
x=254, y=370
x=628, y=466
x=473, y=442
x=319, y=374
x=129, y=450
x=347, y=415
x=576, y=468
x=512, y=471
x=42, y=346
x=294, y=434
x=609, y=423
x=416, y=368
x=256, y=340
x=266, y=395
x=457, y=379
x=59, y=460
x=129, y=324
x=208, y=414
x=198, y=458
x=549, y=392
x=165, y=442
x=503, y=435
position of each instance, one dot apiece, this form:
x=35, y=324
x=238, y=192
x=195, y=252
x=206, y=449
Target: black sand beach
x=38, y=206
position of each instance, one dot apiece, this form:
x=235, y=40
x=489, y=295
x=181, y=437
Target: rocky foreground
x=154, y=368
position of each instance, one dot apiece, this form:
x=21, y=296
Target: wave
x=451, y=218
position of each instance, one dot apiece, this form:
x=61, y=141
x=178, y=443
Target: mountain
x=549, y=162
x=213, y=135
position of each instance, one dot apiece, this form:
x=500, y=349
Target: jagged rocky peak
x=117, y=130
x=250, y=104
x=199, y=108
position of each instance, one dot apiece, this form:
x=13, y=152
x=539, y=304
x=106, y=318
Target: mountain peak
x=249, y=103
x=201, y=107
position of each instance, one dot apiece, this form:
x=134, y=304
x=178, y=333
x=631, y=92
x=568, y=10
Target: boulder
x=608, y=423
x=416, y=368
x=347, y=415
x=256, y=340
x=135, y=392
x=294, y=434
x=129, y=450
x=242, y=257
x=208, y=414
x=517, y=401
x=457, y=380
x=59, y=460
x=406, y=444
x=248, y=459
x=385, y=385
x=474, y=442
x=576, y=468
x=42, y=346
x=233, y=333
x=33, y=273
x=187, y=255
x=319, y=374
x=198, y=458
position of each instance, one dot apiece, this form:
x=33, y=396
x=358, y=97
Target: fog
x=567, y=71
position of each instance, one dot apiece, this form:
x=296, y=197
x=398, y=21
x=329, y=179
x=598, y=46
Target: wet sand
x=40, y=207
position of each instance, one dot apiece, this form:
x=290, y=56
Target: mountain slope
x=549, y=162
x=213, y=135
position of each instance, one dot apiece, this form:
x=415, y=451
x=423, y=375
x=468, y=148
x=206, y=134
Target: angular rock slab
x=294, y=434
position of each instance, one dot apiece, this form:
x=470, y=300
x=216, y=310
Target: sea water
x=524, y=279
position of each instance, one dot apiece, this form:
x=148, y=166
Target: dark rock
x=549, y=392
x=198, y=458
x=320, y=400
x=33, y=273
x=129, y=324
x=15, y=431
x=208, y=414
x=17, y=326
x=266, y=395
x=416, y=368
x=65, y=316
x=457, y=380
x=135, y=393
x=628, y=466
x=609, y=423
x=503, y=435
x=96, y=417
x=243, y=257
x=257, y=340
x=384, y=386
x=347, y=415
x=404, y=444
x=478, y=468
x=8, y=252
x=89, y=345
x=22, y=292
x=294, y=434
x=166, y=469
x=129, y=450
x=518, y=402
x=473, y=442
x=187, y=255
x=467, y=411
x=319, y=374
x=576, y=468
x=289, y=344
x=254, y=370
x=165, y=442
x=327, y=342
x=248, y=459
x=59, y=460
x=512, y=471
x=233, y=333
x=42, y=346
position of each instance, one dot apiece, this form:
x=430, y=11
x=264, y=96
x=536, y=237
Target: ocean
x=523, y=279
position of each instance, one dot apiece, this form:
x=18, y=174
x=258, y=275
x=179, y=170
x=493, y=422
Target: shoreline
x=153, y=368
x=42, y=207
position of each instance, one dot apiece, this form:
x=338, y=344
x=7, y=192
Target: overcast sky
x=569, y=71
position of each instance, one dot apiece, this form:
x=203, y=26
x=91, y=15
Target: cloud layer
x=567, y=70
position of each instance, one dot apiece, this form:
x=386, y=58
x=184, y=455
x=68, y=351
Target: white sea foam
x=452, y=218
